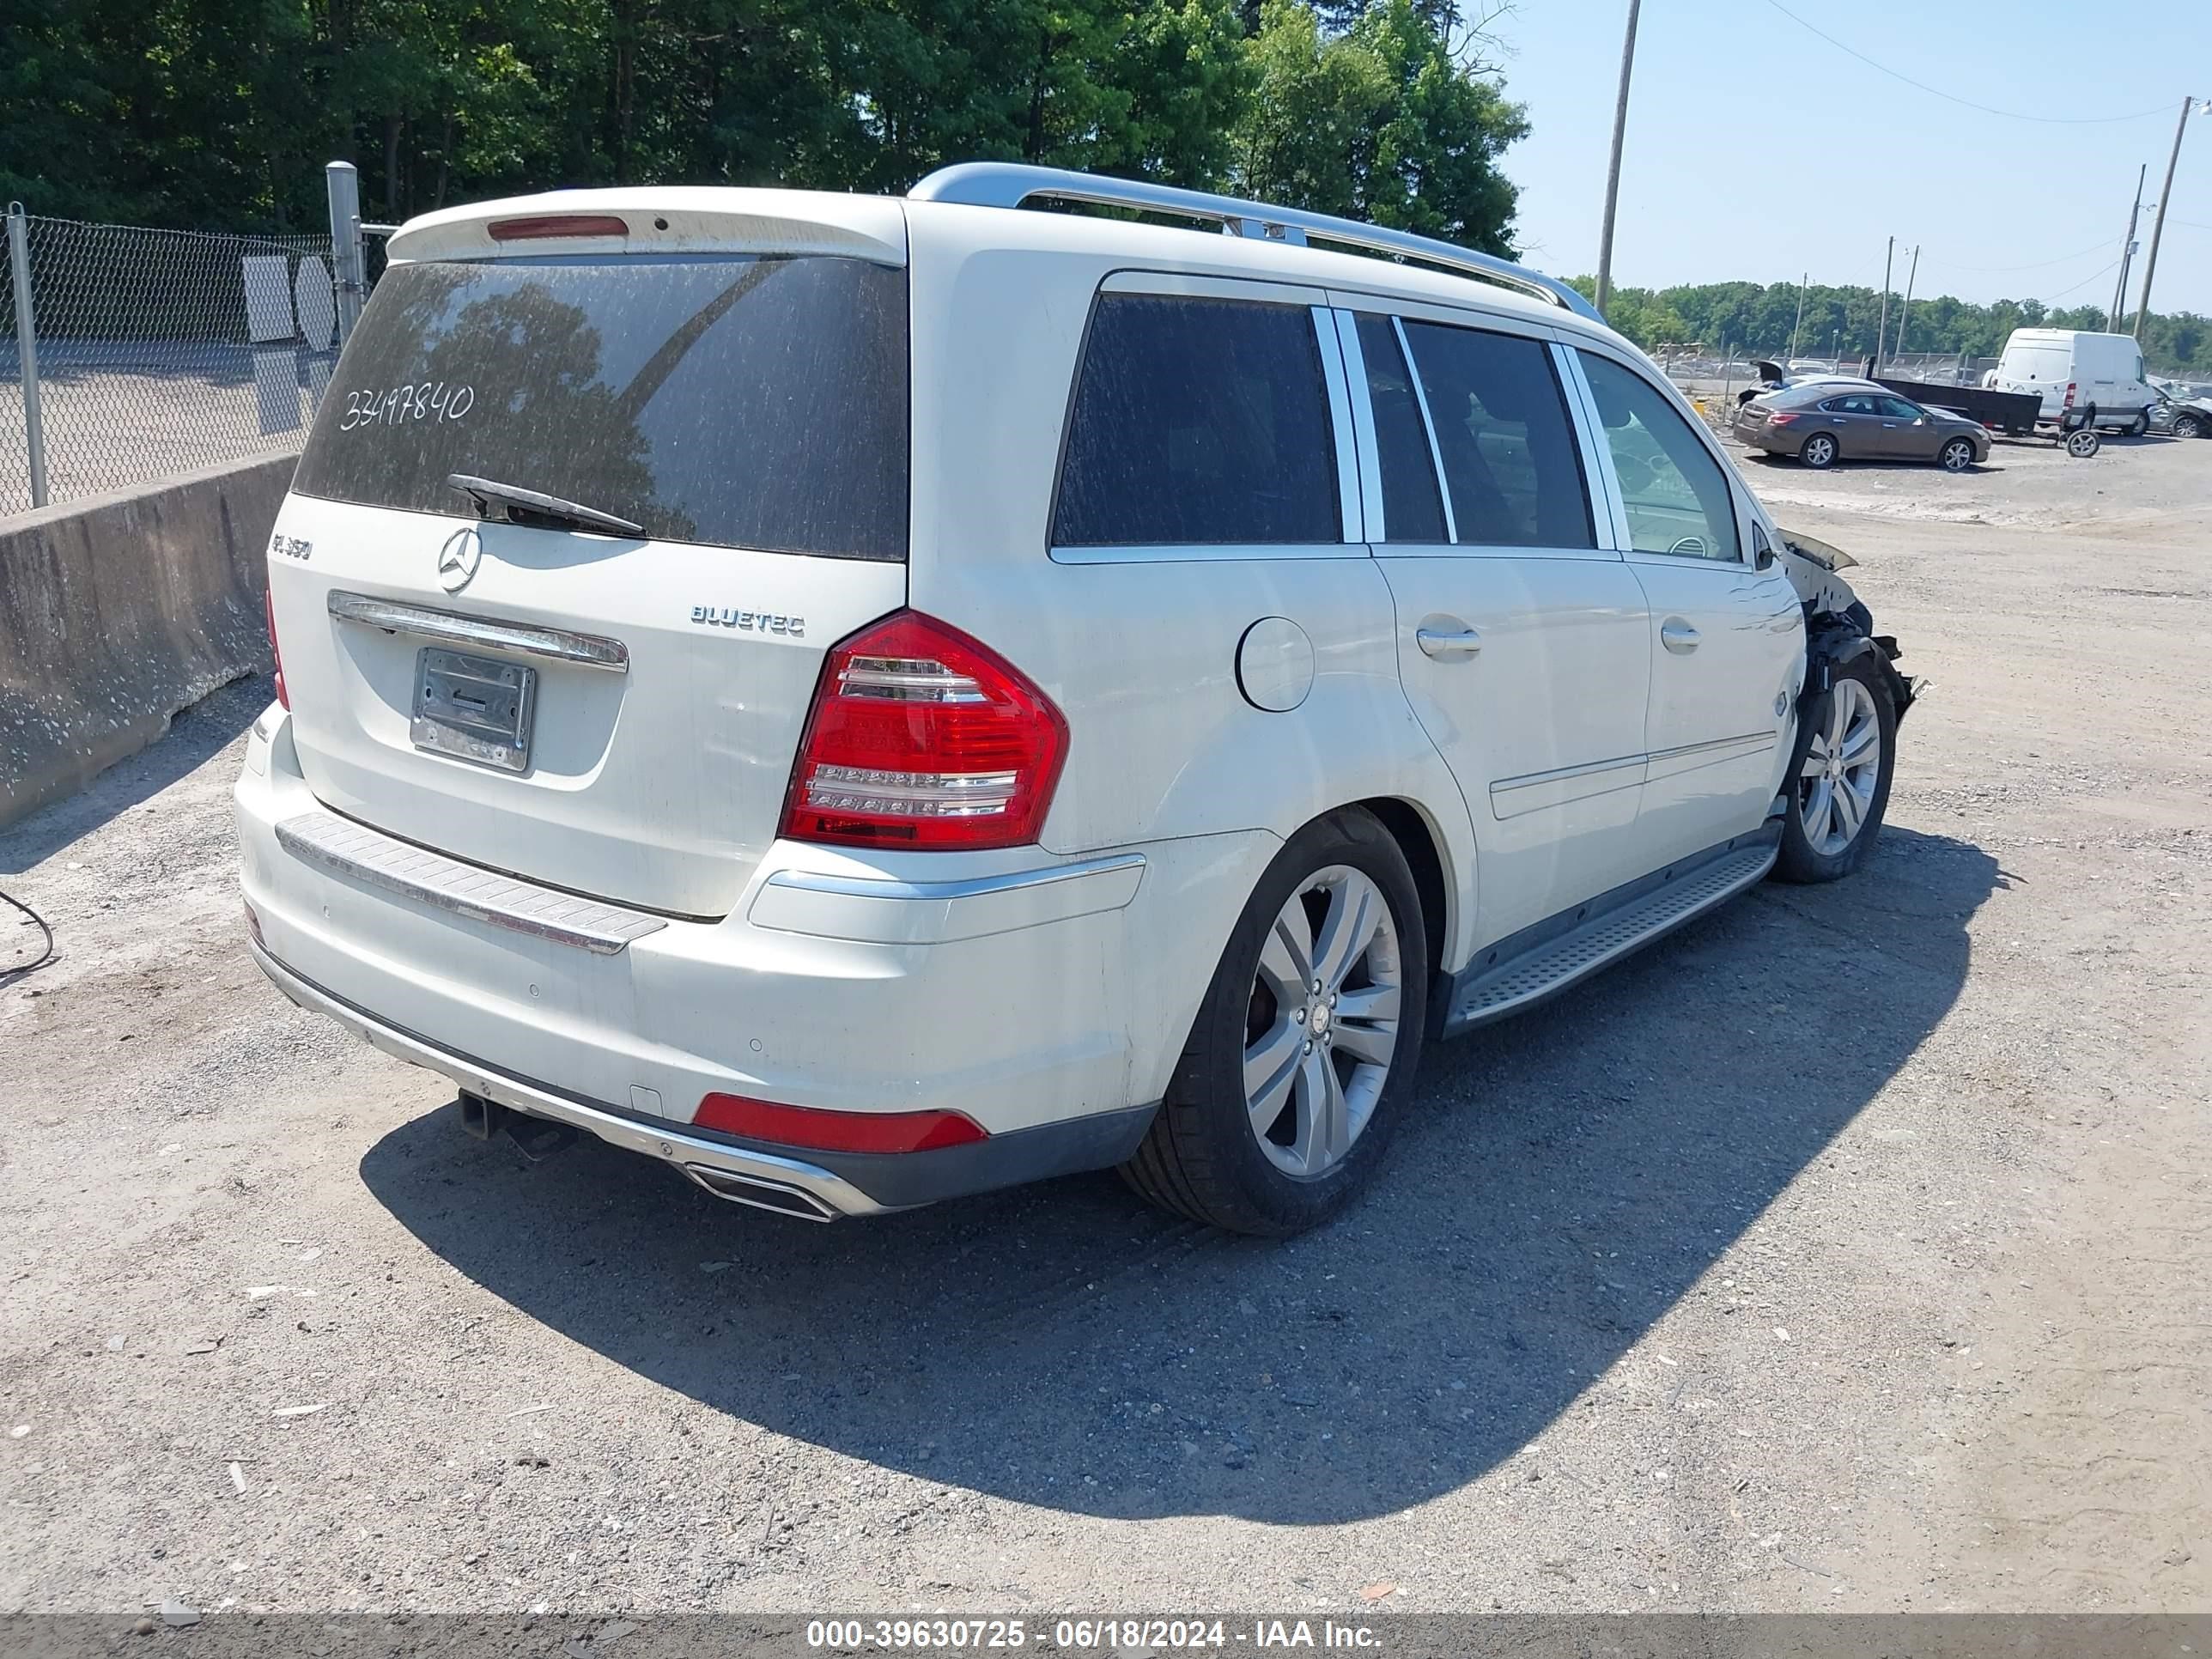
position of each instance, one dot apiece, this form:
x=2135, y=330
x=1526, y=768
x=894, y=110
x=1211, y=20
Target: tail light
x=269, y=610
x=923, y=738
x=2069, y=395
x=836, y=1131
x=1781, y=419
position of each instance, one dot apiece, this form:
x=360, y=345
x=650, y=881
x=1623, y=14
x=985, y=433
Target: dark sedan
x=1824, y=422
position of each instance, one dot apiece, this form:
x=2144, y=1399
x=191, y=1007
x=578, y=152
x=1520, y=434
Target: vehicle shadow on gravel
x=1567, y=1177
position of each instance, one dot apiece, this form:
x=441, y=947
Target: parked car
x=2185, y=411
x=2070, y=368
x=865, y=700
x=1823, y=422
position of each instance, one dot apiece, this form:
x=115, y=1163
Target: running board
x=1598, y=934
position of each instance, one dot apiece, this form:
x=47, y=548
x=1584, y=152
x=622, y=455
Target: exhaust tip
x=761, y=1193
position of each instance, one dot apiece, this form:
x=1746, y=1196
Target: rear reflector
x=557, y=224
x=922, y=736
x=836, y=1131
x=268, y=609
x=2070, y=385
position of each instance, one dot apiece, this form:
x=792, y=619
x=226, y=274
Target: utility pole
x=1612, y=169
x=2158, y=225
x=1800, y=323
x=2127, y=253
x=1904, y=316
x=1881, y=329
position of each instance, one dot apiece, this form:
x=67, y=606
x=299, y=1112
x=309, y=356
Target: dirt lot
x=1848, y=1251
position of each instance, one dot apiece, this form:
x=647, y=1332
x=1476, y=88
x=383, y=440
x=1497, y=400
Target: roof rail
x=1011, y=185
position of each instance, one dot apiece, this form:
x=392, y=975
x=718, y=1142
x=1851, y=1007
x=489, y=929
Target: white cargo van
x=2072, y=368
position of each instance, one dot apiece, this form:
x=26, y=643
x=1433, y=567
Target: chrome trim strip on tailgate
x=346, y=849
x=531, y=640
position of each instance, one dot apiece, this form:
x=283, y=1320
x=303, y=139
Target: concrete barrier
x=117, y=611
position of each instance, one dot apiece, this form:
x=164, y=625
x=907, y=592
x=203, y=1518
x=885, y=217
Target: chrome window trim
x=526, y=639
x=1374, y=529
x=1428, y=425
x=1608, y=512
x=1340, y=418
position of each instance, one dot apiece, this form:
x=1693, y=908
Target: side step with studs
x=1553, y=955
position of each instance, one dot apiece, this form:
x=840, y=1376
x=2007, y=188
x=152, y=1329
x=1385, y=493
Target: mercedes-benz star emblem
x=458, y=558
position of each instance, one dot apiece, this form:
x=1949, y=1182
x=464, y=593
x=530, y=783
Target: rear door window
x=1198, y=421
x=1510, y=461
x=743, y=402
x=1412, y=511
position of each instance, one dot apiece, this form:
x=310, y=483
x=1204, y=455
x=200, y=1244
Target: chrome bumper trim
x=529, y=638
x=813, y=881
x=658, y=1140
x=346, y=849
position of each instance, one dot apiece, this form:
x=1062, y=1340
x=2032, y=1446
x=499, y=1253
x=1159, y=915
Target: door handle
x=1441, y=643
x=1677, y=636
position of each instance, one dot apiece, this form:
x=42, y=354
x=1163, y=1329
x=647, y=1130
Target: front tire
x=1957, y=455
x=1305, y=1045
x=2142, y=423
x=1841, y=793
x=1817, y=452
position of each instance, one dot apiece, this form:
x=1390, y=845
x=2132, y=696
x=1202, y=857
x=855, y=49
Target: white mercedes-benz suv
x=869, y=699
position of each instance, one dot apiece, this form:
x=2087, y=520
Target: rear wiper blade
x=512, y=504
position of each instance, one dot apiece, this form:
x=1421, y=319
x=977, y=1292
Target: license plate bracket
x=474, y=709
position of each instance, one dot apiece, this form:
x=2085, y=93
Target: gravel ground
x=1846, y=1252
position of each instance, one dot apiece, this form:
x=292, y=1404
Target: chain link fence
x=129, y=355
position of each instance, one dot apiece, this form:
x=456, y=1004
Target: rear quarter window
x=1198, y=421
x=743, y=402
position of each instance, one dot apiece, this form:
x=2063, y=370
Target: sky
x=1758, y=151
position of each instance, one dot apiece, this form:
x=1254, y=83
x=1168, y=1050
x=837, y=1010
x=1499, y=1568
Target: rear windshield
x=742, y=402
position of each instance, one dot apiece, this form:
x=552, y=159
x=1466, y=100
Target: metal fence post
x=26, y=347
x=347, y=265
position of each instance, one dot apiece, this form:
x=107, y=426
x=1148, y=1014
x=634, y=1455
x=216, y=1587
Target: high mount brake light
x=922, y=736
x=557, y=224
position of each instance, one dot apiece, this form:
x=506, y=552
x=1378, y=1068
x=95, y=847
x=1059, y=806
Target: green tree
x=1378, y=123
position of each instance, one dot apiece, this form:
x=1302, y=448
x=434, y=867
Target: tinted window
x=1852, y=405
x=1195, y=422
x=1510, y=457
x=1412, y=511
x=1677, y=496
x=1898, y=410
x=745, y=402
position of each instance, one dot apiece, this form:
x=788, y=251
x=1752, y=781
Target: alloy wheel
x=1842, y=770
x=1322, y=1025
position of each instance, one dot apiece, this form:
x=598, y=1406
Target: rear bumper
x=820, y=1187
x=1045, y=1001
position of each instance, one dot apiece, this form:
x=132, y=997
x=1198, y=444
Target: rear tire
x=2188, y=426
x=1251, y=1157
x=1838, y=799
x=1817, y=452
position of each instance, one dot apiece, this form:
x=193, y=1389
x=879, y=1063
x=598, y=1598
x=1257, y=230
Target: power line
x=2083, y=283
x=2097, y=246
x=2009, y=114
